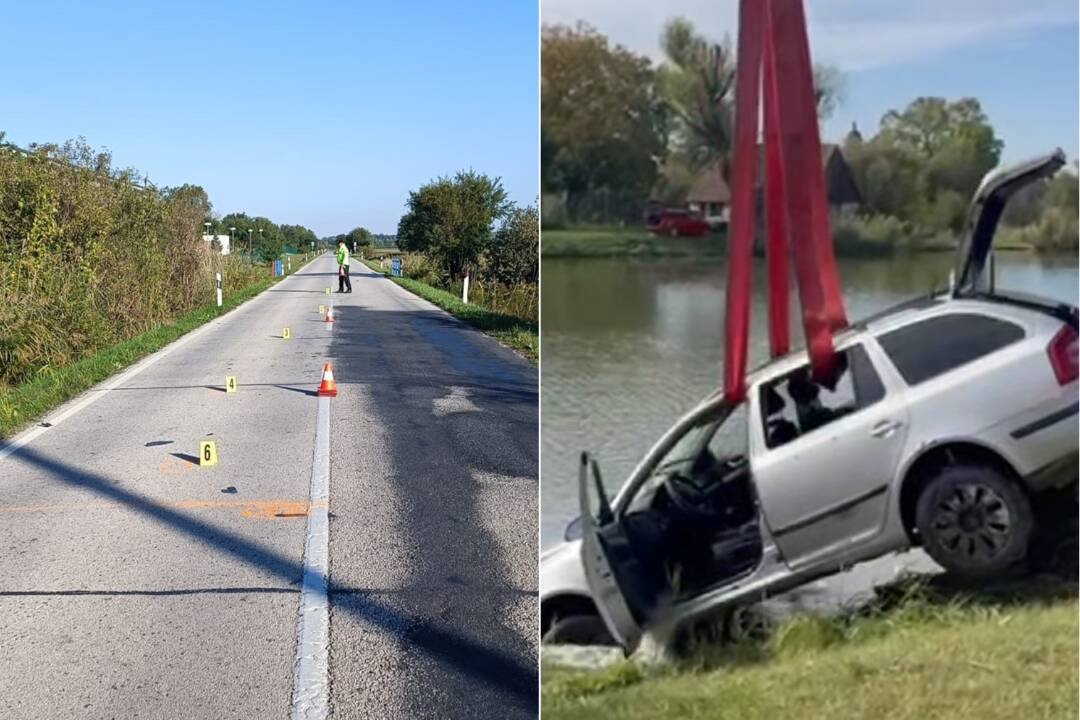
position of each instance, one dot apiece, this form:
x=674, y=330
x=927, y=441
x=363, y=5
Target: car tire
x=578, y=630
x=974, y=522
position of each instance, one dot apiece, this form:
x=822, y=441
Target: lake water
x=629, y=345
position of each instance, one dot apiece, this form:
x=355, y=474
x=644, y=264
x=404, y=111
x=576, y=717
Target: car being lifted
x=947, y=422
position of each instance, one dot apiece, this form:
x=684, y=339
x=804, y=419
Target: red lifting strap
x=772, y=38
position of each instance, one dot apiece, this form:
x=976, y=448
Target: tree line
x=618, y=129
x=91, y=255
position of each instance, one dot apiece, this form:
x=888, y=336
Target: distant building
x=710, y=195
x=222, y=241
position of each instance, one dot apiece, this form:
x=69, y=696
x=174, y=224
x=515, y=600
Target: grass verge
x=28, y=402
x=518, y=333
x=618, y=242
x=962, y=657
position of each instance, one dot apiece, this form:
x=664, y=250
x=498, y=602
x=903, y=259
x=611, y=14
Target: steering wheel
x=687, y=496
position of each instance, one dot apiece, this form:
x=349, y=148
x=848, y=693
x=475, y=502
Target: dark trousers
x=343, y=280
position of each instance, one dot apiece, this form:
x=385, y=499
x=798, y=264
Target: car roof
x=888, y=319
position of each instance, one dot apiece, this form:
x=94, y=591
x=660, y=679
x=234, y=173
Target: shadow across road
x=514, y=681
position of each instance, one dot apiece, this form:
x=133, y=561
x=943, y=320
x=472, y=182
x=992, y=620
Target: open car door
x=618, y=553
x=598, y=534
x=986, y=209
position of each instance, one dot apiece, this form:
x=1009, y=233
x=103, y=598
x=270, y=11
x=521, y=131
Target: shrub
x=868, y=235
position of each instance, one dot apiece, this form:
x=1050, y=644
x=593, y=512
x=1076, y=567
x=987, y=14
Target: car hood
x=986, y=208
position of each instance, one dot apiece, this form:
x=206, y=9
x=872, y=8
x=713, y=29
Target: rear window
x=926, y=349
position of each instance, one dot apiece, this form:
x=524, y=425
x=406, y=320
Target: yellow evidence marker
x=322, y=309
x=230, y=383
x=207, y=453
x=285, y=334
x=327, y=291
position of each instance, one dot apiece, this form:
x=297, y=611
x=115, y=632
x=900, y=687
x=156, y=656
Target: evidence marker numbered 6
x=207, y=453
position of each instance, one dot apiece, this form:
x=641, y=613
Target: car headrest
x=774, y=403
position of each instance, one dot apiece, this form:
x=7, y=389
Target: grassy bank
x=1006, y=656
x=29, y=401
x=518, y=333
x=617, y=242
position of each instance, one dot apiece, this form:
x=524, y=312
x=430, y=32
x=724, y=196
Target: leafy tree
x=298, y=236
x=450, y=219
x=602, y=123
x=697, y=84
x=513, y=256
x=358, y=237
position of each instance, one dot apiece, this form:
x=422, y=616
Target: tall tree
x=358, y=237
x=450, y=219
x=697, y=84
x=602, y=124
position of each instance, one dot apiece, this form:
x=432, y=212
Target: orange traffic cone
x=329, y=314
x=327, y=388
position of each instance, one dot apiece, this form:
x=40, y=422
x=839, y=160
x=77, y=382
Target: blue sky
x=323, y=114
x=1018, y=57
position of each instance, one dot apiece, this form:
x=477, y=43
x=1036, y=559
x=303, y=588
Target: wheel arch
x=564, y=605
x=925, y=465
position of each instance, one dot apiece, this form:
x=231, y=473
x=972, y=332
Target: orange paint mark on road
x=248, y=508
x=276, y=508
x=175, y=466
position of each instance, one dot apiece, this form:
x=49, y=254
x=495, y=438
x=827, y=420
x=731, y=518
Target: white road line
x=311, y=692
x=94, y=394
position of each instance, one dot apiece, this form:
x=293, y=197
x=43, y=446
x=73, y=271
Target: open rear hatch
x=974, y=272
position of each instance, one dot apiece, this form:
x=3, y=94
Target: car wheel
x=974, y=521
x=578, y=630
x=673, y=232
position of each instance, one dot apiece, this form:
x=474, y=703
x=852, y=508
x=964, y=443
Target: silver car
x=949, y=422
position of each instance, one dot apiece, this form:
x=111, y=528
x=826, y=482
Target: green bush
x=91, y=256
x=868, y=235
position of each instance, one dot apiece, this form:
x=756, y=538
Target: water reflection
x=629, y=345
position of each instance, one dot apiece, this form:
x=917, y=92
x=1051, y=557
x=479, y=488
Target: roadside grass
x=918, y=652
x=28, y=402
x=518, y=333
x=617, y=242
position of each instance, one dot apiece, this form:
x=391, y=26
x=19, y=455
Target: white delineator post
x=465, y=290
x=217, y=282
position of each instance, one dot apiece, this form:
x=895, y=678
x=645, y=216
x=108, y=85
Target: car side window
x=926, y=349
x=796, y=404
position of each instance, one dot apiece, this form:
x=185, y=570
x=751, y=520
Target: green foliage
x=358, y=237
x=51, y=386
x=868, y=235
x=298, y=237
x=450, y=220
x=513, y=254
x=91, y=255
x=603, y=124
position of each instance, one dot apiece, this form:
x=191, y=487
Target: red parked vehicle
x=676, y=223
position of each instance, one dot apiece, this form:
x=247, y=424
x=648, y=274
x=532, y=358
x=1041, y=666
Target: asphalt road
x=136, y=584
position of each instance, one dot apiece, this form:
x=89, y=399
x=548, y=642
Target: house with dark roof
x=710, y=195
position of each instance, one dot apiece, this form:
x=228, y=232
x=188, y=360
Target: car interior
x=694, y=525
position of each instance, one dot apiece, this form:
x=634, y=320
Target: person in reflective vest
x=343, y=267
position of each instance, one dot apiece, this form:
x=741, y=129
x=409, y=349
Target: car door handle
x=885, y=428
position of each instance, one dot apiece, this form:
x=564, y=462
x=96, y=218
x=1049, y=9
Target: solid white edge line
x=311, y=691
x=95, y=393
